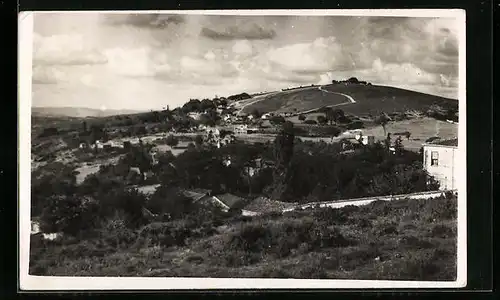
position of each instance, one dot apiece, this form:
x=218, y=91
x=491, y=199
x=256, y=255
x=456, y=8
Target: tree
x=171, y=201
x=84, y=126
x=321, y=119
x=383, y=120
x=302, y=117
x=207, y=104
x=387, y=141
x=210, y=118
x=283, y=152
x=198, y=140
x=277, y=120
x=398, y=146
x=256, y=113
x=338, y=115
x=172, y=140
x=353, y=80
x=193, y=105
x=96, y=133
x=68, y=214
x=407, y=135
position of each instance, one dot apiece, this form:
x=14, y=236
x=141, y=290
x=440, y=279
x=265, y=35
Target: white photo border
x=55, y=283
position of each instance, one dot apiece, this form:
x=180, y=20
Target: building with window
x=441, y=161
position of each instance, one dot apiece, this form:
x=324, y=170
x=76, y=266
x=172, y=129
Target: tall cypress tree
x=283, y=152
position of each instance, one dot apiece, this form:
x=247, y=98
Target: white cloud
x=65, y=49
x=121, y=62
x=400, y=73
x=242, y=47
x=47, y=75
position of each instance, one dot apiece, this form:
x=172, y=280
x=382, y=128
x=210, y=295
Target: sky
x=149, y=61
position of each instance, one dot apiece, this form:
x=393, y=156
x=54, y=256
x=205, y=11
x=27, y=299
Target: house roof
x=263, y=204
x=195, y=194
x=451, y=142
x=229, y=199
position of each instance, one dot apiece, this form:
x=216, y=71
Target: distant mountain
x=78, y=112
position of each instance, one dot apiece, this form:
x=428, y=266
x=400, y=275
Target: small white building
x=241, y=129
x=441, y=160
x=368, y=140
x=194, y=115
x=265, y=116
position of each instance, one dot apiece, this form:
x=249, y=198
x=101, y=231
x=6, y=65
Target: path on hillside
x=368, y=200
x=347, y=96
x=255, y=100
x=264, y=97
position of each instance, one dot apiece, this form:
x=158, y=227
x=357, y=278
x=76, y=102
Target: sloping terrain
x=397, y=240
x=296, y=100
x=369, y=99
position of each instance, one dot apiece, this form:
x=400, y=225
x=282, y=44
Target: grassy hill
x=370, y=99
x=78, y=112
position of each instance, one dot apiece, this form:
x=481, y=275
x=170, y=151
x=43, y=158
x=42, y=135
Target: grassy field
x=420, y=129
x=370, y=99
x=403, y=240
x=300, y=100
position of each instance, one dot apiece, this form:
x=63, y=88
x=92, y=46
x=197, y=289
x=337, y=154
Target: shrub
x=355, y=125
x=310, y=122
x=172, y=140
x=302, y=117
x=441, y=231
x=69, y=214
x=116, y=233
x=164, y=234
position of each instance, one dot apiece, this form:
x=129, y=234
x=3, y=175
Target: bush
x=69, y=214
x=355, y=125
x=164, y=234
x=310, y=122
x=302, y=117
x=172, y=140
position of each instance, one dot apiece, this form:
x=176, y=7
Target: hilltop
x=77, y=112
x=355, y=99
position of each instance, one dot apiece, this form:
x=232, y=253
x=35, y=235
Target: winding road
x=347, y=96
x=264, y=97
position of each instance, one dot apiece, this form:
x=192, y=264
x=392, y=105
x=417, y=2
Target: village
x=439, y=156
x=243, y=146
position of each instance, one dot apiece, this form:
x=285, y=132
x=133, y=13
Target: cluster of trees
x=443, y=114
x=239, y=97
x=352, y=80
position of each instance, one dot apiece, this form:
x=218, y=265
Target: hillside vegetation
x=402, y=240
x=370, y=99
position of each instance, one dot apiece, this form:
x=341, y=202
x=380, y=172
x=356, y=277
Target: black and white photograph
x=242, y=149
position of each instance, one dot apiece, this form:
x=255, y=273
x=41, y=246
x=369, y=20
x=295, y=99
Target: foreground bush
x=385, y=240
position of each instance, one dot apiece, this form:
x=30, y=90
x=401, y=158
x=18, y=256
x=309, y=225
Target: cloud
x=65, y=49
x=46, y=75
x=240, y=32
x=406, y=73
x=154, y=21
x=120, y=56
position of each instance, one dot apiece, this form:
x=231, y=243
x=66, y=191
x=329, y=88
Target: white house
x=367, y=139
x=265, y=116
x=441, y=161
x=194, y=115
x=241, y=129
